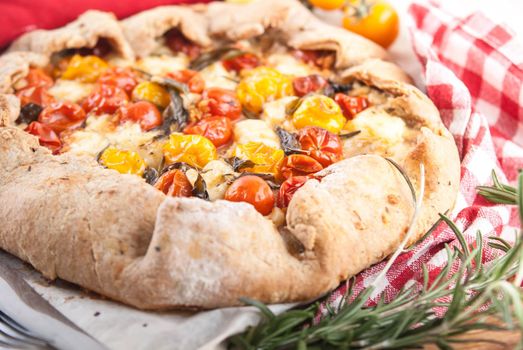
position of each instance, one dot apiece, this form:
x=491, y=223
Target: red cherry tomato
x=37, y=77
x=60, y=116
x=321, y=145
x=252, y=189
x=192, y=78
x=220, y=102
x=216, y=129
x=299, y=165
x=174, y=183
x=311, y=83
x=46, y=136
x=288, y=188
x=351, y=105
x=35, y=94
x=143, y=112
x=177, y=42
x=105, y=99
x=244, y=61
x=320, y=58
x=123, y=78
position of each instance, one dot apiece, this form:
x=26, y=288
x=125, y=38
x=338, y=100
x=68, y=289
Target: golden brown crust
x=116, y=235
x=84, y=32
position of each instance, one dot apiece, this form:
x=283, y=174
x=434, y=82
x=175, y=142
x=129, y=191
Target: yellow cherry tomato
x=376, y=20
x=125, y=162
x=86, y=69
x=260, y=85
x=194, y=150
x=152, y=92
x=319, y=110
x=327, y=4
x=266, y=158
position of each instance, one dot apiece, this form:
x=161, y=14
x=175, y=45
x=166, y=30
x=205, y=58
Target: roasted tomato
x=106, y=99
x=299, y=165
x=194, y=150
x=288, y=188
x=321, y=145
x=260, y=85
x=319, y=110
x=320, y=58
x=125, y=162
x=177, y=42
x=192, y=78
x=328, y=4
x=123, y=78
x=174, y=183
x=351, y=105
x=265, y=158
x=142, y=112
x=306, y=85
x=244, y=61
x=35, y=94
x=376, y=20
x=152, y=92
x=220, y=102
x=37, y=77
x=216, y=129
x=86, y=69
x=61, y=116
x=254, y=190
x=46, y=136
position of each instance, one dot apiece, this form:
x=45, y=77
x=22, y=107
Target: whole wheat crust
x=118, y=236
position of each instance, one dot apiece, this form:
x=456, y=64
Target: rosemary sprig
x=471, y=299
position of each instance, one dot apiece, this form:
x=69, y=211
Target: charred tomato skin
x=321, y=145
x=299, y=165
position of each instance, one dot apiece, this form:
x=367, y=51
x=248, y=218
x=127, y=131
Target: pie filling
x=250, y=121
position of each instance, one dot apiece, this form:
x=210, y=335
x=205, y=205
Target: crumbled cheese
x=287, y=64
x=274, y=112
x=215, y=75
x=161, y=65
x=217, y=175
x=70, y=90
x=255, y=130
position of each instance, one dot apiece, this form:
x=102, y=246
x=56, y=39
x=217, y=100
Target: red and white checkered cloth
x=473, y=70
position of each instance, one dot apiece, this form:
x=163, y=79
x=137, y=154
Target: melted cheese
x=215, y=75
x=217, y=175
x=255, y=130
x=70, y=90
x=274, y=112
x=376, y=124
x=161, y=65
x=287, y=64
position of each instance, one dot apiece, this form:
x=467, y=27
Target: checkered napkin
x=473, y=70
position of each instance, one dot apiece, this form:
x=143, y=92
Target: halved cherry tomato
x=106, y=99
x=190, y=77
x=37, y=77
x=194, y=150
x=216, y=129
x=46, y=136
x=320, y=58
x=351, y=105
x=123, y=161
x=321, y=145
x=311, y=83
x=123, y=78
x=319, y=110
x=220, y=102
x=244, y=61
x=60, y=116
x=152, y=92
x=177, y=42
x=299, y=165
x=142, y=112
x=288, y=188
x=35, y=94
x=86, y=69
x=376, y=20
x=254, y=190
x=327, y=4
x=174, y=183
